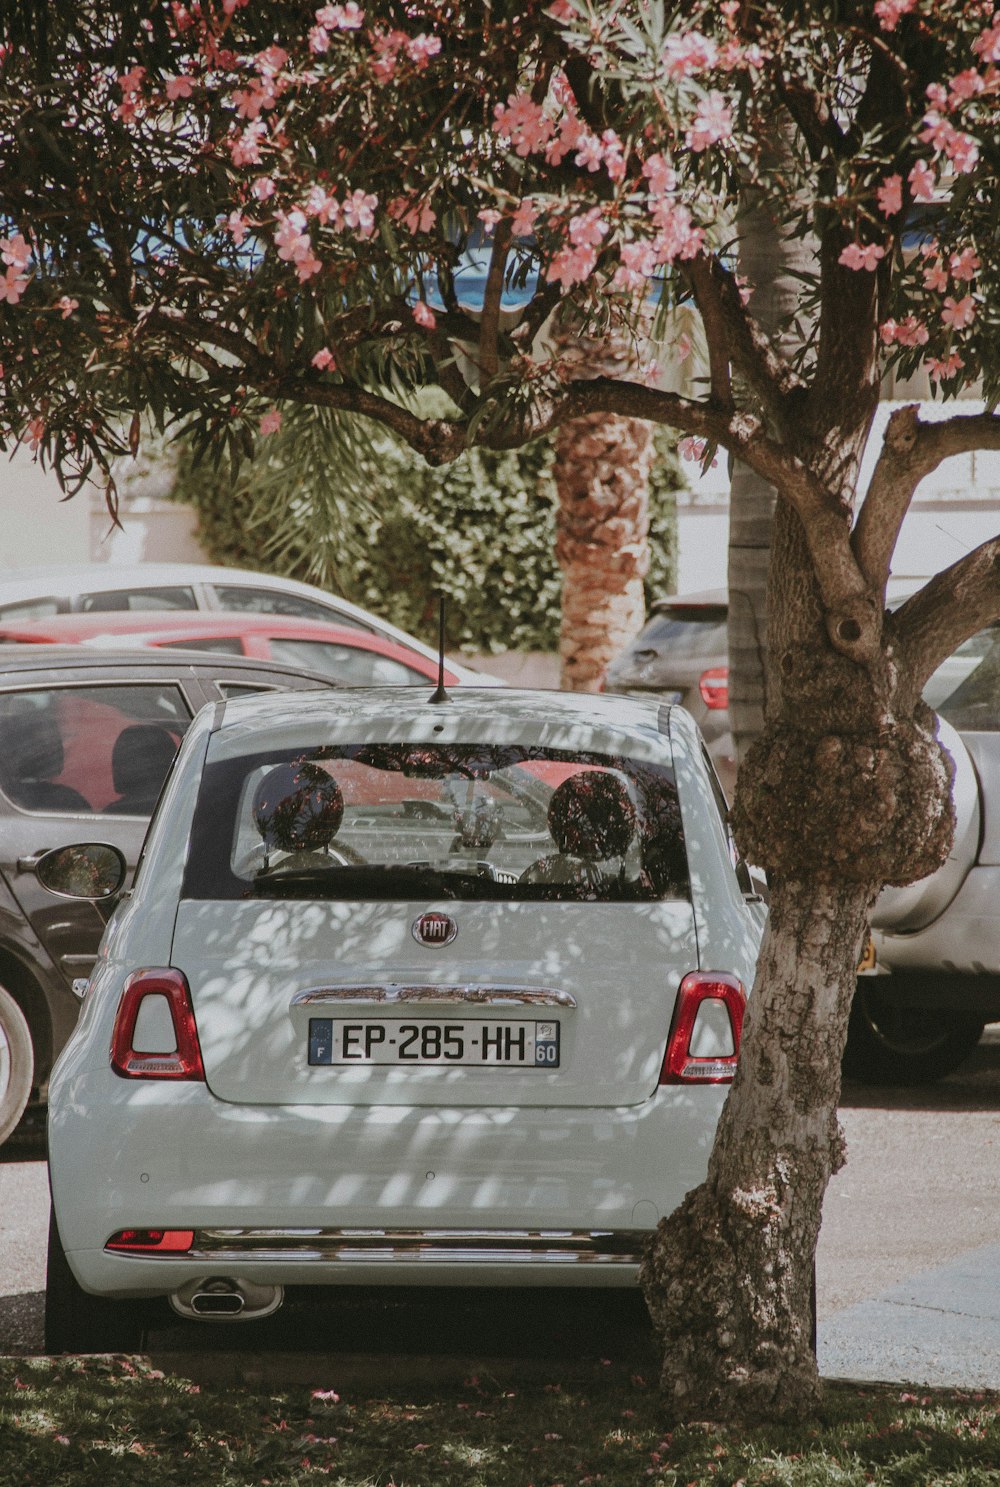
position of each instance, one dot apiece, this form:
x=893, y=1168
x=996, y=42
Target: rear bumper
x=383, y=1195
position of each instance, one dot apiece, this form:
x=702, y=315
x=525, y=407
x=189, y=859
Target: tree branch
x=911, y=450
x=953, y=605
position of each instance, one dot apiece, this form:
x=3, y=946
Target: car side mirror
x=88, y=870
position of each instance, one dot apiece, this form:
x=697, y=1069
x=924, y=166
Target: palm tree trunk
x=602, y=541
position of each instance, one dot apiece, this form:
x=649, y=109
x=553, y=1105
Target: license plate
x=517, y=1045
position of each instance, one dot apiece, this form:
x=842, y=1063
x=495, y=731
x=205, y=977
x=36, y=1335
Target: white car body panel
x=268, y=1143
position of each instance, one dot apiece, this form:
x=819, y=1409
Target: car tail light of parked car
x=690, y=1057
x=155, y=1035
x=713, y=685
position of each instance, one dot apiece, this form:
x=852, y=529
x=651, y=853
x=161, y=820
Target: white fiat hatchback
x=407, y=990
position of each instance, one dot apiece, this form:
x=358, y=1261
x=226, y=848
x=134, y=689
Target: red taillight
x=152, y=1241
x=183, y=1061
x=681, y=1066
x=713, y=685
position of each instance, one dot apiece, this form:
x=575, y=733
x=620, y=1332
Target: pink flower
x=489, y=217
x=35, y=432
x=12, y=286
x=291, y=238
x=661, y=176
x=713, y=121
x=323, y=359
x=889, y=12
x=945, y=366
x=923, y=180
x=690, y=448
x=959, y=313
x=416, y=216
x=245, y=150
x=67, y=306
x=908, y=332
x=964, y=265
x=590, y=153
x=341, y=17
x=965, y=86
x=263, y=188
x=588, y=229
x=570, y=133
x=524, y=219
x=319, y=40
x=359, y=213
x=861, y=256
x=421, y=49
x=270, y=61
x=571, y=266
x=326, y=1396
x=676, y=236
x=130, y=82
x=524, y=123
x=324, y=207
x=987, y=45
x=271, y=422
x=890, y=195
x=687, y=53
x=614, y=155
x=236, y=226
x=424, y=315
x=306, y=265
x=638, y=263
x=14, y=250
x=180, y=87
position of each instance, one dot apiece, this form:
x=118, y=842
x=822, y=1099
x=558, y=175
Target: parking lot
x=916, y=1205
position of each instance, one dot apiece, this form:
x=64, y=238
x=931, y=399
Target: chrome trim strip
x=391, y=993
x=420, y=1246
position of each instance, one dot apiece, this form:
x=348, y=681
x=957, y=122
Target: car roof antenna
x=439, y=694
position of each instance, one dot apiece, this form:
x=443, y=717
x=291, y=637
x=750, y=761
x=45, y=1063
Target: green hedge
x=375, y=523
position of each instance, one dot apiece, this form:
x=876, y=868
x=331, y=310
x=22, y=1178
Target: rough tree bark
x=602, y=541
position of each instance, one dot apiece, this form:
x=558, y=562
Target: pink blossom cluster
x=131, y=85
x=862, y=256
x=390, y=46
x=15, y=253
x=414, y=214
x=889, y=12
x=691, y=448
x=960, y=148
x=334, y=18
x=689, y=53
x=294, y=243
x=907, y=332
x=713, y=123
x=530, y=129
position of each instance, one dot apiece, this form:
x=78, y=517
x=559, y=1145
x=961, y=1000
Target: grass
x=101, y=1422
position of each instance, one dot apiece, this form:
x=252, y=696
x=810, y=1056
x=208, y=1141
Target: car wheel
x=76, y=1322
x=888, y=1044
x=17, y=1063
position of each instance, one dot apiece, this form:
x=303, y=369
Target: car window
x=217, y=645
x=89, y=749
x=412, y=820
x=248, y=600
x=687, y=630
x=116, y=600
x=31, y=609
x=965, y=689
x=345, y=663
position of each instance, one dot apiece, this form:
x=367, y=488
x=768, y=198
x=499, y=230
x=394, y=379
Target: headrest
x=591, y=815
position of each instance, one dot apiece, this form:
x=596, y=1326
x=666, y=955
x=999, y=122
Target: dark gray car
x=681, y=653
x=83, y=735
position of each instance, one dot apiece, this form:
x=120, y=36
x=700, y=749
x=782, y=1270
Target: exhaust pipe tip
x=220, y=1299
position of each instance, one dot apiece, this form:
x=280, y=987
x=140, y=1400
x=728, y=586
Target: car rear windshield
x=461, y=821
x=688, y=629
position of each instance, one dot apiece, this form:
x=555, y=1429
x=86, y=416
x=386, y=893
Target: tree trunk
x=837, y=797
x=601, y=475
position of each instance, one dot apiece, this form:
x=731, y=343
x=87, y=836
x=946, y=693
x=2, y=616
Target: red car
x=346, y=655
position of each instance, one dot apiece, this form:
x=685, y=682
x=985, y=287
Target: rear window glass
x=216, y=645
x=118, y=600
x=688, y=630
x=89, y=749
x=249, y=600
x=344, y=663
x=413, y=820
